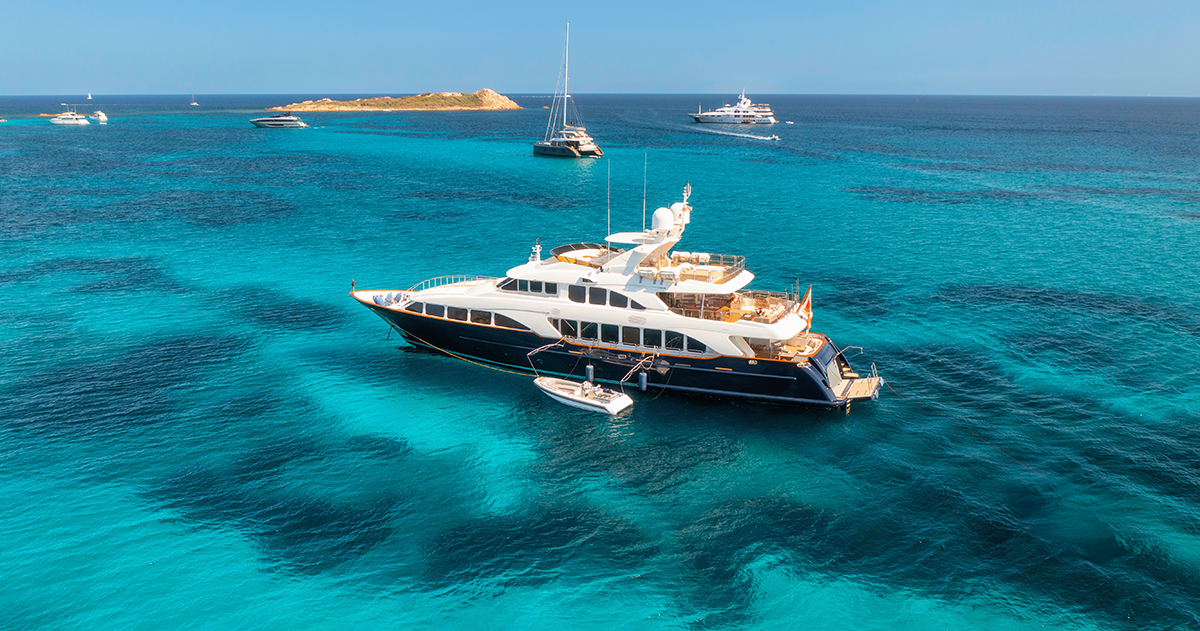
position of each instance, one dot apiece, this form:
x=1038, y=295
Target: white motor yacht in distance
x=280, y=120
x=744, y=113
x=69, y=117
x=653, y=315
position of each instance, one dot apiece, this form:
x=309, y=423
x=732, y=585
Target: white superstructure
x=744, y=113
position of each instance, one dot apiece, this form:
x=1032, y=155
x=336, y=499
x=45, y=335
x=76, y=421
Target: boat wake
x=734, y=133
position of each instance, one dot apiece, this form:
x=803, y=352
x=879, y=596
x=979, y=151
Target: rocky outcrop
x=484, y=99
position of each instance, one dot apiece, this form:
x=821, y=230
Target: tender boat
x=585, y=396
x=99, y=117
x=744, y=113
x=650, y=314
x=69, y=117
x=565, y=136
x=280, y=120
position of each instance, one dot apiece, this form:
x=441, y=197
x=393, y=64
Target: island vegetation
x=484, y=99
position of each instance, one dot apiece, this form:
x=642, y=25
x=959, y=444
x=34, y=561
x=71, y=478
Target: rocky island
x=484, y=99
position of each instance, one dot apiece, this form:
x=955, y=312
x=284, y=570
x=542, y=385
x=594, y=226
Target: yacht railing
x=449, y=280
x=763, y=307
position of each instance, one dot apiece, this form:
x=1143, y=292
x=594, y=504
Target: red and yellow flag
x=806, y=309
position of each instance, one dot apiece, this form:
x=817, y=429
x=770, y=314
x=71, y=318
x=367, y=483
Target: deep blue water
x=199, y=428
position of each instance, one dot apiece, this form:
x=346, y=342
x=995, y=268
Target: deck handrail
x=452, y=279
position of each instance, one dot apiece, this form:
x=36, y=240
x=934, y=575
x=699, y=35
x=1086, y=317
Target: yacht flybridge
x=648, y=314
x=744, y=112
x=565, y=136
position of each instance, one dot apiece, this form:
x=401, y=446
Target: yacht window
x=509, y=323
x=481, y=317
x=618, y=300
x=631, y=335
x=588, y=330
x=636, y=305
x=508, y=284
x=456, y=313
x=652, y=337
x=552, y=289
x=567, y=328
x=535, y=286
x=523, y=285
x=597, y=295
x=674, y=340
x=577, y=293
x=609, y=333
x=695, y=346
x=435, y=310
x=416, y=307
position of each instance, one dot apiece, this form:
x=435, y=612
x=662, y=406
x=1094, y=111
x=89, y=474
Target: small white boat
x=89, y=96
x=194, y=100
x=99, y=117
x=585, y=396
x=279, y=120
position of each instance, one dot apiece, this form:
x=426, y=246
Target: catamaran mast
x=566, y=73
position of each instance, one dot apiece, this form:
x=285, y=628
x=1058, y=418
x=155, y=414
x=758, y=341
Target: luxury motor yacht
x=744, y=112
x=565, y=135
x=70, y=117
x=279, y=120
x=648, y=314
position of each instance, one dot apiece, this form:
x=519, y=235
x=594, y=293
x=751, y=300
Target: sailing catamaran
x=564, y=139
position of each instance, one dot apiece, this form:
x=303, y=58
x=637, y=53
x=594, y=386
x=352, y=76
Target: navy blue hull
x=738, y=377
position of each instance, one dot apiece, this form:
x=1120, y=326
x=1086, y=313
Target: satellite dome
x=663, y=219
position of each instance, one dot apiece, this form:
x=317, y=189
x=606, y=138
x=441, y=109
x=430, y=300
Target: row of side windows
x=628, y=335
x=601, y=296
x=475, y=316
x=528, y=286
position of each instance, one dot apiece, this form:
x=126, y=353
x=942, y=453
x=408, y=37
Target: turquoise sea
x=199, y=428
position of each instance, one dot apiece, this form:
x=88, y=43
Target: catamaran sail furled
x=565, y=135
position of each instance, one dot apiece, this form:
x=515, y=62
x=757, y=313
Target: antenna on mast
x=645, y=167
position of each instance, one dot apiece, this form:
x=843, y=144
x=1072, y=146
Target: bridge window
x=481, y=317
x=618, y=300
x=508, y=284
x=552, y=289
x=636, y=305
x=535, y=286
x=416, y=307
x=609, y=333
x=577, y=293
x=435, y=310
x=456, y=313
x=523, y=285
x=597, y=295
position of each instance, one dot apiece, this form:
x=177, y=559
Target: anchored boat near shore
x=650, y=314
x=565, y=136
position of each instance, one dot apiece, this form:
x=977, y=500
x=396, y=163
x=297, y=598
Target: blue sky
x=849, y=47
